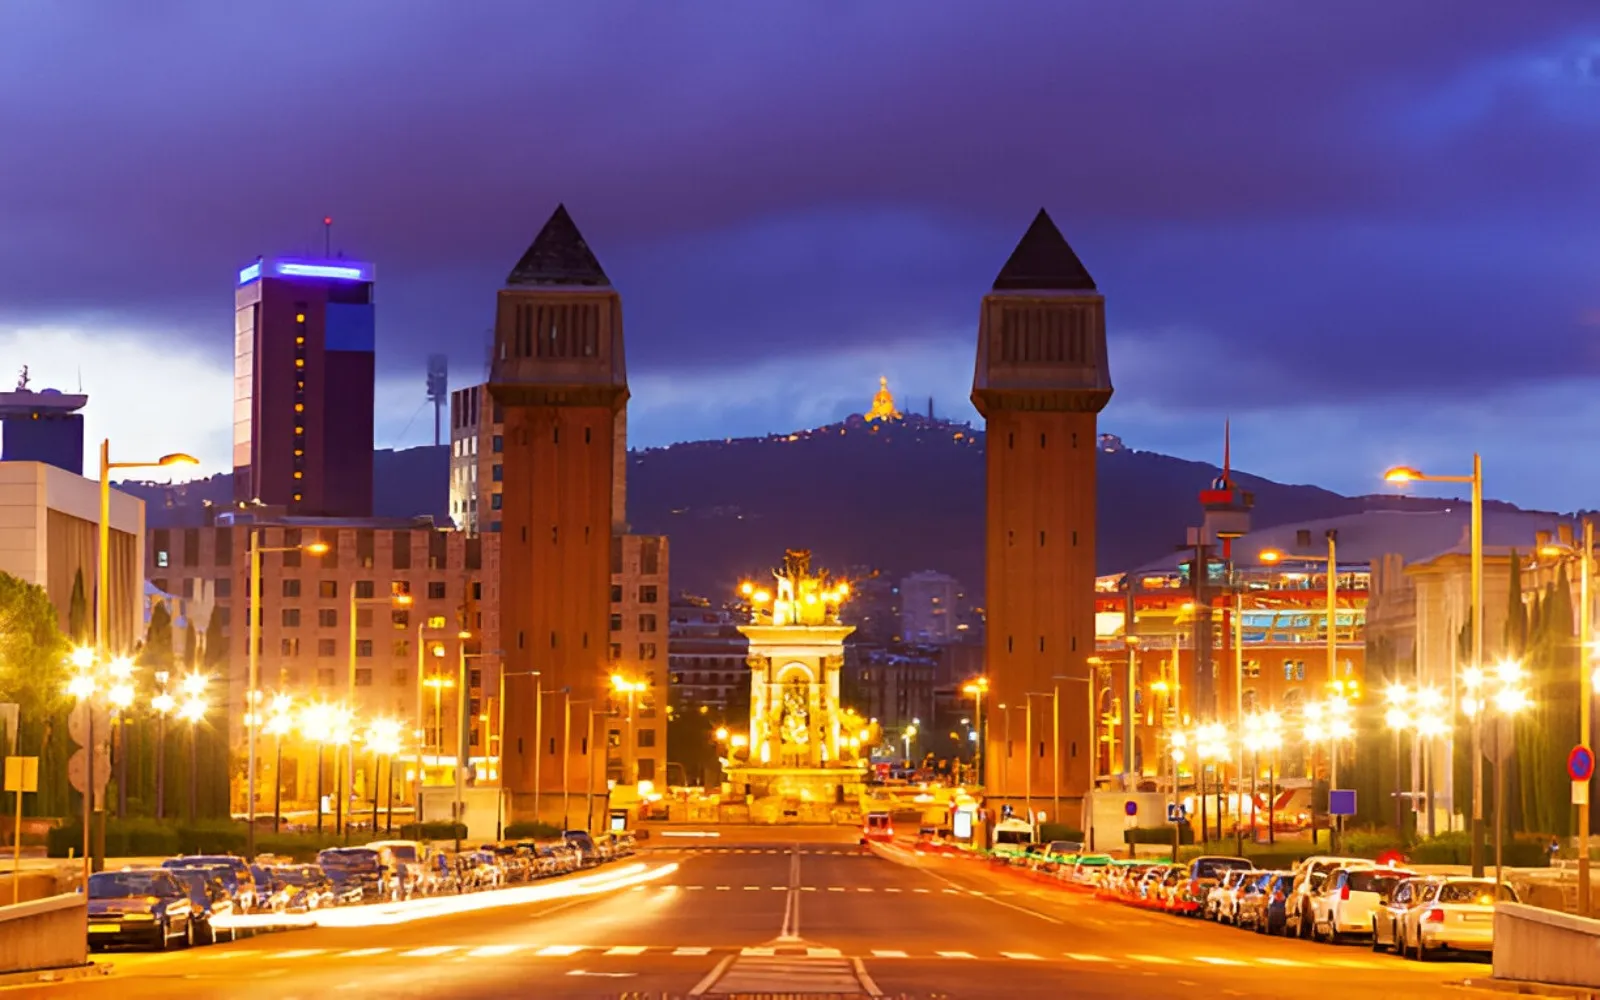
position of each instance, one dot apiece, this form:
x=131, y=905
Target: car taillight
x=1344, y=892
x=1434, y=916
x=889, y=832
x=1278, y=897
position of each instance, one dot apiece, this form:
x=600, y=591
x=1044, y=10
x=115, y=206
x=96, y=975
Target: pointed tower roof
x=1043, y=261
x=558, y=256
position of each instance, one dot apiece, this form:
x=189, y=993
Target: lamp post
x=192, y=711
x=102, y=593
x=500, y=737
x=566, y=754
x=1177, y=741
x=631, y=688
x=163, y=703
x=316, y=723
x=977, y=688
x=252, y=694
x=1401, y=475
x=1398, y=720
x=422, y=722
x=1585, y=557
x=120, y=697
x=342, y=732
x=394, y=600
x=906, y=737
x=1506, y=700
x=1094, y=738
x=278, y=725
x=383, y=737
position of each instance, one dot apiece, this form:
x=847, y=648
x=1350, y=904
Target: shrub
x=532, y=831
x=1158, y=835
x=1369, y=843
x=433, y=831
x=1059, y=831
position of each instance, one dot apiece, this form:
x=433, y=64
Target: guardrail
x=1534, y=945
x=49, y=933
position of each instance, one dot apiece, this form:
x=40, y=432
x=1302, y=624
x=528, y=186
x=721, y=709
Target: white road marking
x=823, y=953
x=1217, y=961
x=836, y=888
x=724, y=888
x=919, y=890
x=559, y=950
x=1080, y=957
x=1287, y=963
x=495, y=950
x=1154, y=959
x=863, y=888
x=758, y=952
x=1022, y=956
x=625, y=949
x=691, y=951
x=751, y=888
x=430, y=951
x=955, y=954
x=360, y=952
x=299, y=953
x=876, y=953
x=891, y=889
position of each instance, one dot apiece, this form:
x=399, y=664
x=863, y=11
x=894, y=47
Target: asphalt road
x=781, y=917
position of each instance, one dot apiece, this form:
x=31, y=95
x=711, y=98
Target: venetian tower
x=1040, y=381
x=558, y=375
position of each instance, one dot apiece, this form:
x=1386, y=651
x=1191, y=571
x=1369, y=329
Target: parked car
x=1222, y=902
x=209, y=894
x=1309, y=875
x=355, y=872
x=1348, y=899
x=1261, y=907
x=587, y=849
x=305, y=887
x=147, y=906
x=242, y=885
x=1445, y=914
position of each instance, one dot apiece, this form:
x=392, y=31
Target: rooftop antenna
x=438, y=390
x=1227, y=452
x=930, y=407
x=327, y=236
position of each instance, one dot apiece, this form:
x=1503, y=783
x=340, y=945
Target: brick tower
x=558, y=375
x=1040, y=381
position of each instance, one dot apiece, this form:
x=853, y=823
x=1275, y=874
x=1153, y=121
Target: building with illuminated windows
x=303, y=379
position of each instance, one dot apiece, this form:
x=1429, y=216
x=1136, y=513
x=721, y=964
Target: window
x=363, y=618
x=647, y=623
x=327, y=589
x=325, y=647
x=401, y=618
x=325, y=676
x=401, y=648
x=363, y=647
x=291, y=617
x=328, y=618
x=363, y=590
x=363, y=677
x=436, y=621
x=497, y=474
x=616, y=593
x=224, y=587
x=162, y=561
x=1252, y=668
x=436, y=590
x=224, y=616
x=647, y=594
x=647, y=650
x=477, y=591
x=402, y=677
x=495, y=501
x=475, y=680
x=616, y=623
x=616, y=651
x=288, y=647
x=291, y=588
x=647, y=768
x=497, y=444
x=647, y=738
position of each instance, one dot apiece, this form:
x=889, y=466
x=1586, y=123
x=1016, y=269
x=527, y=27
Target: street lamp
x=162, y=704
x=192, y=711
x=252, y=694
x=977, y=688
x=906, y=737
x=394, y=600
x=119, y=695
x=279, y=723
x=317, y=722
x=1500, y=692
x=623, y=685
x=538, y=739
x=1585, y=557
x=1211, y=748
x=1328, y=721
x=1402, y=475
x=383, y=738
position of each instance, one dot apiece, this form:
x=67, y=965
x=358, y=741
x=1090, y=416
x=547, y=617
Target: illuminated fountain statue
x=803, y=756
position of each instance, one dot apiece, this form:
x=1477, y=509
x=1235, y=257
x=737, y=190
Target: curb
x=1528, y=987
x=70, y=974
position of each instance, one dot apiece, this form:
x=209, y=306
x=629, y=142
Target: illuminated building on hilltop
x=303, y=379
x=883, y=403
x=1041, y=380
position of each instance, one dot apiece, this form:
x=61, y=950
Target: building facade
x=928, y=608
x=406, y=654
x=42, y=426
x=1041, y=380
x=706, y=656
x=303, y=378
x=49, y=537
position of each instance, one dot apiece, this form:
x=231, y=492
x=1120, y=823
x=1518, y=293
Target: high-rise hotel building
x=303, y=379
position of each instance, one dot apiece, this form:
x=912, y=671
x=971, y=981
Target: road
x=794, y=916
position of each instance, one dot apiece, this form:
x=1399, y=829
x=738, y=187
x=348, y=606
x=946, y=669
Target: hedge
x=1158, y=835
x=433, y=831
x=532, y=831
x=1059, y=831
x=146, y=838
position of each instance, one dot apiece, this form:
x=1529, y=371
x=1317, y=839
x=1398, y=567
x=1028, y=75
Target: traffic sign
x=1580, y=763
x=78, y=723
x=22, y=774
x=1342, y=802
x=77, y=772
x=1176, y=812
x=1130, y=808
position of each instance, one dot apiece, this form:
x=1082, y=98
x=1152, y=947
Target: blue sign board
x=1175, y=812
x=1130, y=808
x=1580, y=763
x=1342, y=802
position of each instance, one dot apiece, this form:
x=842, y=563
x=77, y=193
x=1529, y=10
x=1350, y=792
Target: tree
x=157, y=651
x=190, y=654
x=78, y=629
x=33, y=674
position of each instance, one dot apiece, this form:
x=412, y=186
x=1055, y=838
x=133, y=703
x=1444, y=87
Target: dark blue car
x=144, y=906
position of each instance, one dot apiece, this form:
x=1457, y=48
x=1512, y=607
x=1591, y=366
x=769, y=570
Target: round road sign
x=1580, y=763
x=1130, y=808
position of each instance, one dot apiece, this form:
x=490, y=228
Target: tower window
x=586, y=435
x=1041, y=439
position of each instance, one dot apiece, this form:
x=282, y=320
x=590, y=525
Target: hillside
x=906, y=497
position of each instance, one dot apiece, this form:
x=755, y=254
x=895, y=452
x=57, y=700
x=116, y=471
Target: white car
x=1222, y=903
x=1348, y=899
x=1309, y=876
x=1426, y=917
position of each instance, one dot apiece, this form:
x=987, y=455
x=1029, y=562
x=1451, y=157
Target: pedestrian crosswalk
x=533, y=950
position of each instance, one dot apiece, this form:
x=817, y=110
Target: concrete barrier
x=49, y=933
x=1534, y=945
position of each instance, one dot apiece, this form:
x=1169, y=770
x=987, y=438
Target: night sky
x=1366, y=230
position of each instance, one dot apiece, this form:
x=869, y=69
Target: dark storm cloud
x=1302, y=201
